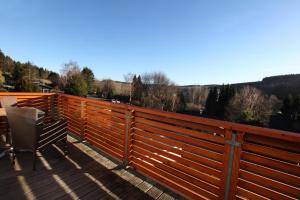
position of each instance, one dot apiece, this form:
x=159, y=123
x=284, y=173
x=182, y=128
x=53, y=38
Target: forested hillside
x=281, y=86
x=18, y=76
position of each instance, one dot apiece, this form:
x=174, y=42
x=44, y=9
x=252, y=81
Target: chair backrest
x=24, y=129
x=8, y=101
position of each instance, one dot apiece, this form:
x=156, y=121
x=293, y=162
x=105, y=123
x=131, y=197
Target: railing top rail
x=25, y=94
x=107, y=103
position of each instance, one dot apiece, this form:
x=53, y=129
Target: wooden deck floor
x=83, y=174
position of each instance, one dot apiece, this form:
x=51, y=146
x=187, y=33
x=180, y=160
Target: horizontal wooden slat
x=174, y=149
x=263, y=191
x=94, y=107
x=249, y=195
x=274, y=153
x=206, y=179
x=196, y=134
x=107, y=149
x=187, y=180
x=176, y=140
x=197, y=126
x=271, y=184
x=106, y=127
x=97, y=115
x=109, y=112
x=213, y=173
x=115, y=135
x=106, y=139
x=184, y=138
x=272, y=163
x=74, y=130
x=270, y=173
x=271, y=142
x=167, y=179
x=105, y=121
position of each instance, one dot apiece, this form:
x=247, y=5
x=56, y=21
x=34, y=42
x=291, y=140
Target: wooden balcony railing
x=197, y=157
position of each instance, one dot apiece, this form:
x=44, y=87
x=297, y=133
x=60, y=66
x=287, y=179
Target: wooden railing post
x=129, y=115
x=57, y=99
x=46, y=108
x=52, y=108
x=236, y=164
x=231, y=161
x=83, y=118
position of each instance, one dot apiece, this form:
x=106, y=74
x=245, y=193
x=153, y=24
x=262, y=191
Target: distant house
x=9, y=88
x=45, y=88
x=44, y=85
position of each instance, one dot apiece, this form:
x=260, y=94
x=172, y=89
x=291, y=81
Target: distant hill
x=281, y=86
x=121, y=87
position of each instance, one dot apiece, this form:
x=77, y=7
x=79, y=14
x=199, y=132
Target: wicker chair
x=7, y=101
x=29, y=132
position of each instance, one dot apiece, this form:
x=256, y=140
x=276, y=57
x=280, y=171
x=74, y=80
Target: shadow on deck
x=83, y=174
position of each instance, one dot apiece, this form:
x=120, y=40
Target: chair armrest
x=33, y=113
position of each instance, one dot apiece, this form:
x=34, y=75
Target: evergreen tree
x=291, y=107
x=287, y=107
x=89, y=78
x=211, y=102
x=54, y=78
x=137, y=89
x=18, y=75
x=290, y=118
x=133, y=86
x=297, y=108
x=76, y=85
x=225, y=95
x=134, y=80
x=181, y=102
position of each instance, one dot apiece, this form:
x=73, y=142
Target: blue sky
x=192, y=41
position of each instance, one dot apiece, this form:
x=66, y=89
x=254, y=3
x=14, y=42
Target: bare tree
x=2, y=78
x=106, y=89
x=196, y=97
x=159, y=92
x=128, y=79
x=69, y=69
x=250, y=105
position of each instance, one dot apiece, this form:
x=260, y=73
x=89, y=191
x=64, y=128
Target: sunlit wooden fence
x=197, y=157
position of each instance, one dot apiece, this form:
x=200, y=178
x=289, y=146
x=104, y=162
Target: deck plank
x=85, y=173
